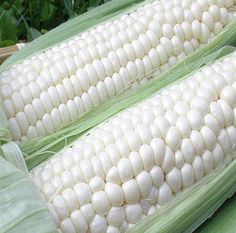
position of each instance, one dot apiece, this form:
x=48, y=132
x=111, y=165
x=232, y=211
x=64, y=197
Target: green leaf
x=224, y=220
x=6, y=43
x=34, y=7
x=94, y=3
x=18, y=4
x=8, y=25
x=6, y=5
x=22, y=208
x=47, y=11
x=32, y=34
x=69, y=8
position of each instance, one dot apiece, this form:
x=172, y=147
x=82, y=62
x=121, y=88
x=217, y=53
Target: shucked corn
x=54, y=87
x=133, y=164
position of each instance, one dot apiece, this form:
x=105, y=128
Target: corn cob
x=54, y=87
x=133, y=164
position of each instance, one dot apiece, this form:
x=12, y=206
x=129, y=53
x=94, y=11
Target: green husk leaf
x=5, y=135
x=11, y=152
x=39, y=150
x=22, y=208
x=192, y=207
x=71, y=28
x=223, y=220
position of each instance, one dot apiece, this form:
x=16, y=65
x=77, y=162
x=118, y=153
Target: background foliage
x=24, y=20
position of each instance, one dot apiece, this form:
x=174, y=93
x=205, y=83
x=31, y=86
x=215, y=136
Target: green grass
x=25, y=20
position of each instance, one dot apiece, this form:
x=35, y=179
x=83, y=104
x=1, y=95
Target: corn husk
x=22, y=209
x=223, y=220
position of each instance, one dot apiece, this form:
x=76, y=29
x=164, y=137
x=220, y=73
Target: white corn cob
x=54, y=87
x=131, y=165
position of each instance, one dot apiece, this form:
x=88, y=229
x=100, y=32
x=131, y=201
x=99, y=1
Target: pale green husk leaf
x=223, y=220
x=12, y=153
x=22, y=209
x=5, y=135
